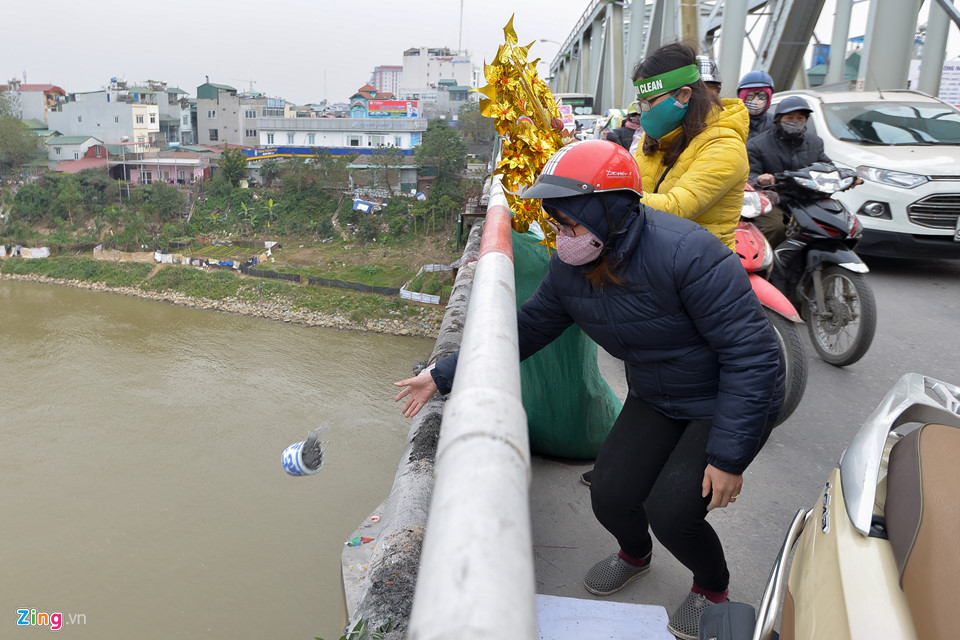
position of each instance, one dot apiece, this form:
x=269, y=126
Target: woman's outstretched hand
x=724, y=486
x=418, y=391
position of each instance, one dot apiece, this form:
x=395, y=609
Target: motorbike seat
x=922, y=511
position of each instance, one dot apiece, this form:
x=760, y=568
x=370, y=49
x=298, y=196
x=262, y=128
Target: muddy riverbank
x=425, y=325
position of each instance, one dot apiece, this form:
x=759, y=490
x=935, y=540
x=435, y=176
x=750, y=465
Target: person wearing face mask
x=786, y=147
x=631, y=126
x=756, y=89
x=704, y=369
x=692, y=155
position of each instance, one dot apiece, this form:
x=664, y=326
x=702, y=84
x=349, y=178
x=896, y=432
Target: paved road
x=918, y=330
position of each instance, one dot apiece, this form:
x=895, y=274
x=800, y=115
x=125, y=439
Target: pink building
x=176, y=167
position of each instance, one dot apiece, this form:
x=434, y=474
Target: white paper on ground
x=561, y=618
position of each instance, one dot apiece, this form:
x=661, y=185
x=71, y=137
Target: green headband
x=666, y=82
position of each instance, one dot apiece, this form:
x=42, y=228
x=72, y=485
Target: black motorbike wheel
x=842, y=332
x=796, y=359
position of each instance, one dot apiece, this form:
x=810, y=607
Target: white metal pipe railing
x=476, y=577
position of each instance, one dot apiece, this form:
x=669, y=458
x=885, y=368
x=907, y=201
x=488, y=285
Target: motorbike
x=875, y=557
x=756, y=256
x=816, y=266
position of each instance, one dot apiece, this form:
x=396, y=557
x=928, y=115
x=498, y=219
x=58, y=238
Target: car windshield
x=894, y=123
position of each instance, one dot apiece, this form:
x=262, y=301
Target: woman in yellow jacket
x=693, y=158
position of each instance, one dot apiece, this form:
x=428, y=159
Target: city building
x=114, y=114
x=348, y=133
x=61, y=148
x=90, y=154
x=375, y=119
x=37, y=100
x=226, y=116
x=387, y=78
x=440, y=79
x=175, y=166
x=176, y=124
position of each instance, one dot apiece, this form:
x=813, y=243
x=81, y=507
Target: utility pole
x=460, y=39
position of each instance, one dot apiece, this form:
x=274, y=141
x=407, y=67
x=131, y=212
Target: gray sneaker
x=612, y=574
x=685, y=621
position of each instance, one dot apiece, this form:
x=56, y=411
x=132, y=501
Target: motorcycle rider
x=631, y=125
x=785, y=147
x=756, y=89
x=788, y=146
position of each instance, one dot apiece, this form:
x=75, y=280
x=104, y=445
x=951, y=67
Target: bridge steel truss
x=611, y=36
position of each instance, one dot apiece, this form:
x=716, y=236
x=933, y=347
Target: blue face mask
x=663, y=118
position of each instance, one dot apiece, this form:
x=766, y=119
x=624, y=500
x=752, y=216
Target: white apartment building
x=423, y=68
x=112, y=115
x=404, y=133
x=62, y=148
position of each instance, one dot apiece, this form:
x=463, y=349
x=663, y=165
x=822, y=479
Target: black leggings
x=649, y=475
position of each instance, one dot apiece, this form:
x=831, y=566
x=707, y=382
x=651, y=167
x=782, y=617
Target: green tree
x=233, y=165
x=332, y=170
x=385, y=162
x=18, y=145
x=444, y=149
x=295, y=175
x=68, y=200
x=32, y=203
x=475, y=126
x=269, y=171
x=99, y=189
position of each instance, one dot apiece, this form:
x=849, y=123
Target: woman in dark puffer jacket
x=704, y=369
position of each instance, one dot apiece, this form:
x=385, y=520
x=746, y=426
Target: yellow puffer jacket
x=706, y=183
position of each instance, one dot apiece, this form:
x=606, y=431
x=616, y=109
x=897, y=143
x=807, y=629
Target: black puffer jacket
x=623, y=136
x=773, y=152
x=692, y=333
x=760, y=123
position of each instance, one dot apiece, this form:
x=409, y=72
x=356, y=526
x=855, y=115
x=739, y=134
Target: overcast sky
x=300, y=50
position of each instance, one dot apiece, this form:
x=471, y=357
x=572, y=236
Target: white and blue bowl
x=292, y=460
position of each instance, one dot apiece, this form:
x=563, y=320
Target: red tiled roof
x=46, y=88
x=76, y=166
x=384, y=95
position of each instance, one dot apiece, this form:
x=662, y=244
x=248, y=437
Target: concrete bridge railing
x=464, y=539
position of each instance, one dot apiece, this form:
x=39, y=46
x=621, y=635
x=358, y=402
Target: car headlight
x=891, y=178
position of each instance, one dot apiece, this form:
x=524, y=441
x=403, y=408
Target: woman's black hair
x=701, y=105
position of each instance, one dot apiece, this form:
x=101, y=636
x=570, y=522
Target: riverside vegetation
x=306, y=206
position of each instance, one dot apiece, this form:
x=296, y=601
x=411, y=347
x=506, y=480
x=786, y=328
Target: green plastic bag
x=570, y=407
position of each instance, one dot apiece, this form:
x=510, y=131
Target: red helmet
x=590, y=166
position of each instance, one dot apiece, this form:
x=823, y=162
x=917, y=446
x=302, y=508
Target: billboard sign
x=393, y=108
x=950, y=82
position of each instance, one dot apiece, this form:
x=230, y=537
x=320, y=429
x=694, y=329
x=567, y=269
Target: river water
x=140, y=477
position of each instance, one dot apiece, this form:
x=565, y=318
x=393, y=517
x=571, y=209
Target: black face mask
x=792, y=129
